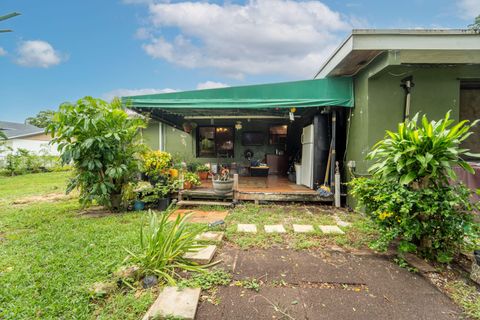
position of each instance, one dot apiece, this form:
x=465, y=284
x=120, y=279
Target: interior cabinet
x=278, y=164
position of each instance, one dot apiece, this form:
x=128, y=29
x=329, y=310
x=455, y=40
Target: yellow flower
x=384, y=215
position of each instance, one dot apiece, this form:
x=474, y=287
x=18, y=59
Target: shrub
x=157, y=163
x=103, y=144
x=409, y=196
x=433, y=221
x=163, y=244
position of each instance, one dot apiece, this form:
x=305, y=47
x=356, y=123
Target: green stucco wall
x=380, y=101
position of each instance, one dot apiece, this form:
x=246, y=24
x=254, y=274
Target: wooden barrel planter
x=222, y=187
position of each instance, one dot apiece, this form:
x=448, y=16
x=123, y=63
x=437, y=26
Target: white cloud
x=211, y=85
x=469, y=9
x=133, y=92
x=258, y=37
x=3, y=52
x=37, y=53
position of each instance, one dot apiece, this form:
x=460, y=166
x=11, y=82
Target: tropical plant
x=409, y=196
x=424, y=153
x=192, y=177
x=103, y=144
x=42, y=119
x=156, y=163
x=163, y=245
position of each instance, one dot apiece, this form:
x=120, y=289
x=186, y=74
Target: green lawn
x=32, y=184
x=50, y=256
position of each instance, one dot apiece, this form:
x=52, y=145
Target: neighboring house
x=372, y=82
x=25, y=136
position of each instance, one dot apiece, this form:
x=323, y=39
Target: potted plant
x=223, y=182
x=203, y=171
x=156, y=166
x=190, y=179
x=163, y=193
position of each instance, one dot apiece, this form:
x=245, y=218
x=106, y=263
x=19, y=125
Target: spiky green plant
x=424, y=153
x=164, y=243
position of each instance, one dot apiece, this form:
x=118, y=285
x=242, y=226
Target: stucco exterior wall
x=380, y=101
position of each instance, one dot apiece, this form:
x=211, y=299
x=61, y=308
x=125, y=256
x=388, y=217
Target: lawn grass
x=51, y=255
x=32, y=184
x=357, y=236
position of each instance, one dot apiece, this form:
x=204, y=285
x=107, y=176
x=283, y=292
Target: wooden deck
x=271, y=188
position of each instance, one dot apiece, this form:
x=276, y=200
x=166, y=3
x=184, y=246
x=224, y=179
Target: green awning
x=299, y=94
x=263, y=99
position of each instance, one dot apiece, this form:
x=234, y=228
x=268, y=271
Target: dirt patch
x=51, y=197
x=200, y=216
x=98, y=212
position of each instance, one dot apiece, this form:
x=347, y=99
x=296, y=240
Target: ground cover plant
x=103, y=144
x=409, y=196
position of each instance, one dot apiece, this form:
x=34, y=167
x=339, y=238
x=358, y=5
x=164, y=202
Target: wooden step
x=204, y=203
x=205, y=194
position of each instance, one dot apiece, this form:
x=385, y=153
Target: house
x=25, y=136
x=373, y=81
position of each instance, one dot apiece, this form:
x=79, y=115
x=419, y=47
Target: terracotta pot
x=203, y=175
x=187, y=185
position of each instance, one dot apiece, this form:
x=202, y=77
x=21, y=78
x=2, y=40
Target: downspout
x=407, y=84
x=333, y=157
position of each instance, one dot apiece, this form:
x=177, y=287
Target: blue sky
x=63, y=50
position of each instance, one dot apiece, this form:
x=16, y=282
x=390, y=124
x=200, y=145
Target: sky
x=64, y=50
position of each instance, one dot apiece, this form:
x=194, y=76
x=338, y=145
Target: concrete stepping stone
x=331, y=230
x=174, y=302
x=247, y=228
x=303, y=228
x=342, y=223
x=274, y=228
x=202, y=256
x=216, y=236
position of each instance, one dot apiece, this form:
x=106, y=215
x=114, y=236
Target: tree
x=42, y=119
x=103, y=144
x=475, y=26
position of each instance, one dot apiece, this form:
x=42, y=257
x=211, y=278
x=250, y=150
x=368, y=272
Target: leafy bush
x=425, y=154
x=163, y=245
x=103, y=144
x=433, y=221
x=409, y=196
x=157, y=163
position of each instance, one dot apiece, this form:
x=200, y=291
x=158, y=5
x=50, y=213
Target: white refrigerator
x=307, y=156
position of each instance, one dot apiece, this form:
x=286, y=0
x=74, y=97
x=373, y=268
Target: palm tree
x=8, y=16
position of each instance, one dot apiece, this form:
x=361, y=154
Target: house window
x=215, y=142
x=278, y=134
